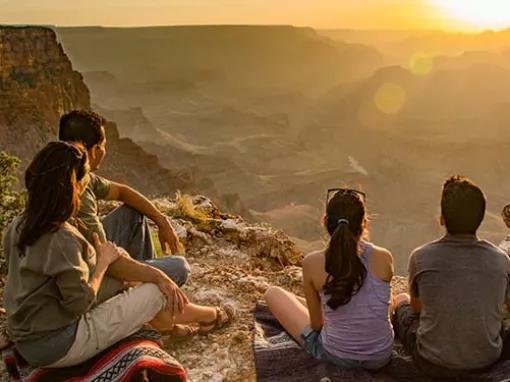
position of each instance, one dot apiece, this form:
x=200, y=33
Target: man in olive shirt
x=126, y=225
x=452, y=322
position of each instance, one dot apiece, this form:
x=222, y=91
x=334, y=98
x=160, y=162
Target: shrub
x=11, y=201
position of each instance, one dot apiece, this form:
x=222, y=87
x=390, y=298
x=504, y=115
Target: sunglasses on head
x=333, y=191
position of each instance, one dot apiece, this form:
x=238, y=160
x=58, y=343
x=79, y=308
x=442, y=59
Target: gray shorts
x=312, y=343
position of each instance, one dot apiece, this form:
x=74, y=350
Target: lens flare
x=421, y=64
x=390, y=98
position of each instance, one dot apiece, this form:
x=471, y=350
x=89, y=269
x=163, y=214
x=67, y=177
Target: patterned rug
x=278, y=358
x=139, y=357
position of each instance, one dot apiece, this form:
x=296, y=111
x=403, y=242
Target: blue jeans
x=312, y=343
x=129, y=229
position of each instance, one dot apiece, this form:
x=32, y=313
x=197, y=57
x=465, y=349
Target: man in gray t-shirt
x=452, y=322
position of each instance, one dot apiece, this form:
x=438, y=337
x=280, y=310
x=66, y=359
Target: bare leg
x=289, y=310
x=191, y=313
x=302, y=300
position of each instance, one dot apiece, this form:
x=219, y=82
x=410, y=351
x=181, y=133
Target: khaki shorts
x=112, y=321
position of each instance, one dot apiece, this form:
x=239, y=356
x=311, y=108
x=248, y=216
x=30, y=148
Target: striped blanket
x=139, y=357
x=278, y=358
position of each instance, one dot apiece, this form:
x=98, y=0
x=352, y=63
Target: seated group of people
x=76, y=285
x=451, y=321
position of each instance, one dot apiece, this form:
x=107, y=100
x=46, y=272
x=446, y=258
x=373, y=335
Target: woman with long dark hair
x=55, y=314
x=345, y=318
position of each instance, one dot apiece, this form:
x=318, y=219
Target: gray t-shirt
x=462, y=283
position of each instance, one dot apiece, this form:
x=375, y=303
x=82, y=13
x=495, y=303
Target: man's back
x=461, y=282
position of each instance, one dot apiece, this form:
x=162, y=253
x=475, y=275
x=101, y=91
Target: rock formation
x=38, y=85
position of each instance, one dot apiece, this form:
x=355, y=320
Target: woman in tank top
x=345, y=318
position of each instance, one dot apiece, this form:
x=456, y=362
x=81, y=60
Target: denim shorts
x=312, y=343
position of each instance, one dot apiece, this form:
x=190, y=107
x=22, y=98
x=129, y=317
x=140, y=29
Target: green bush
x=11, y=201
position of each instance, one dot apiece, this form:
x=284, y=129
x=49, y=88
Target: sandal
x=179, y=333
x=225, y=314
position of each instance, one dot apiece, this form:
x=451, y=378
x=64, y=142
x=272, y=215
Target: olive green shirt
x=47, y=287
x=97, y=189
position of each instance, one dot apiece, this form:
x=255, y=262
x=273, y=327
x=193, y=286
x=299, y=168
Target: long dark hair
x=345, y=216
x=52, y=180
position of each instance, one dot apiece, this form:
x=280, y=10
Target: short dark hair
x=462, y=205
x=82, y=126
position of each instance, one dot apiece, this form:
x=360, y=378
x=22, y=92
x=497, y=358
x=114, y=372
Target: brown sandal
x=179, y=333
x=225, y=314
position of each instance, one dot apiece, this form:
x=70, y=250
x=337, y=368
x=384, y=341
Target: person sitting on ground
x=452, y=321
x=345, y=319
x=54, y=312
x=126, y=226
x=505, y=244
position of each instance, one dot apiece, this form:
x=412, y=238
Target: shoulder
x=492, y=247
x=381, y=263
x=313, y=256
x=495, y=250
x=426, y=248
x=11, y=230
x=99, y=186
x=313, y=259
x=96, y=180
x=382, y=253
x=68, y=238
x=13, y=225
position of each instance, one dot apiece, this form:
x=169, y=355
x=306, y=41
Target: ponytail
x=346, y=272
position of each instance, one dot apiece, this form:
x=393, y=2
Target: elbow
x=317, y=322
x=80, y=305
x=316, y=326
x=122, y=192
x=416, y=306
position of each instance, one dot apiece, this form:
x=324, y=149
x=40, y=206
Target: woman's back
x=360, y=329
x=46, y=287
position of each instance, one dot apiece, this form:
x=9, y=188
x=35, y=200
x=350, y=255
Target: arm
x=134, y=199
x=382, y=264
x=78, y=289
x=127, y=269
x=413, y=283
x=312, y=296
x=416, y=304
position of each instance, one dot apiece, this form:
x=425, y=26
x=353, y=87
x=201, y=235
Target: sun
x=492, y=14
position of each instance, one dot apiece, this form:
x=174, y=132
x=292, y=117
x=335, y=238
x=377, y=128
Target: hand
x=167, y=237
x=396, y=300
x=176, y=299
x=107, y=252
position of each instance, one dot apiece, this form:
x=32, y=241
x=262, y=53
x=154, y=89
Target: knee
x=271, y=293
x=181, y=270
x=184, y=270
x=401, y=299
x=129, y=214
x=152, y=296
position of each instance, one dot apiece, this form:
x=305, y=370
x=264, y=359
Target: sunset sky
x=462, y=15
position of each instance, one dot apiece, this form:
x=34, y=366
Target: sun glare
x=493, y=14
